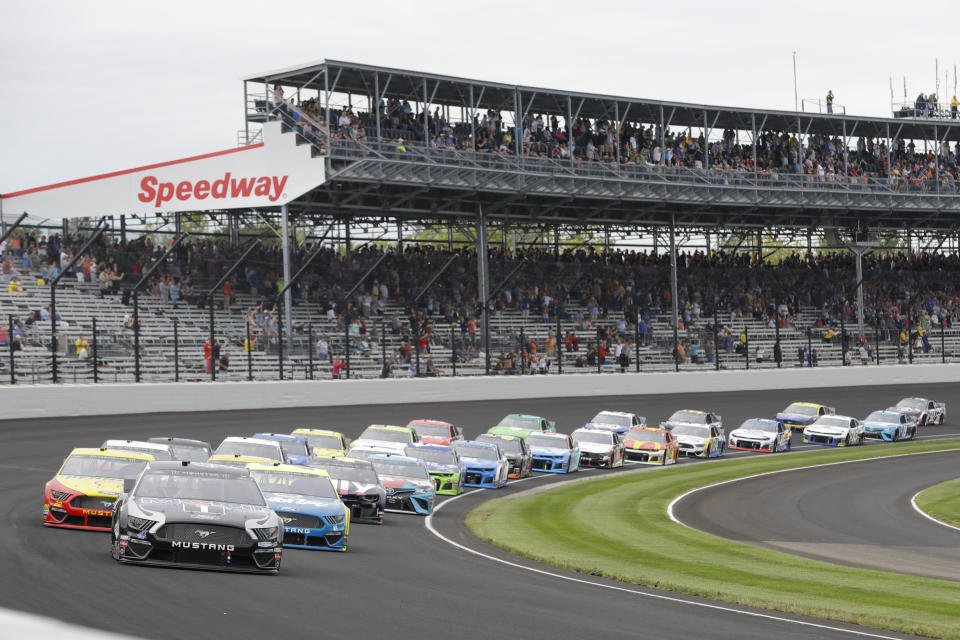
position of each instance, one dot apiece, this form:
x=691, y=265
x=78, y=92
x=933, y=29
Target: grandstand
x=683, y=236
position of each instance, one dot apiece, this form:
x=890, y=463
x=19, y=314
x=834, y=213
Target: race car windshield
x=102, y=467
x=594, y=438
x=802, y=409
x=352, y=474
x=691, y=430
x=191, y=453
x=385, y=435
x=401, y=469
x=507, y=445
x=191, y=485
x=431, y=455
x=831, y=421
x=689, y=416
x=426, y=429
x=323, y=442
x=485, y=453
x=605, y=417
x=292, y=447
x=757, y=425
x=884, y=418
x=300, y=484
x=158, y=454
x=912, y=403
x=645, y=436
x=540, y=440
x=252, y=449
x=520, y=423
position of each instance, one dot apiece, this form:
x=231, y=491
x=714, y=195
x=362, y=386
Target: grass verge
x=942, y=501
x=618, y=527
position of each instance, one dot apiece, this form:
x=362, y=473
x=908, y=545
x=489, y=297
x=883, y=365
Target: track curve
x=397, y=580
x=857, y=514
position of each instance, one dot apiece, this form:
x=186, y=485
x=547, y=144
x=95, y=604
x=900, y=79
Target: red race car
x=436, y=431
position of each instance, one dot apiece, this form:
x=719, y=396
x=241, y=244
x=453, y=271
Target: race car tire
x=913, y=434
x=940, y=419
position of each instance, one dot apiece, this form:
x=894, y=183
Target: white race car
x=922, y=410
x=599, y=448
x=701, y=440
x=834, y=431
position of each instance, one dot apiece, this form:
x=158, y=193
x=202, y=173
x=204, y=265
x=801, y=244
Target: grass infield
x=942, y=501
x=617, y=527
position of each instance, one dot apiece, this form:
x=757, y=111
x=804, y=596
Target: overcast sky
x=89, y=87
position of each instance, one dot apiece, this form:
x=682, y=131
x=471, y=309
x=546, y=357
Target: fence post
x=843, y=340
x=416, y=347
x=909, y=335
x=716, y=340
x=13, y=375
x=809, y=346
x=746, y=345
x=53, y=333
x=383, y=344
x=453, y=346
x=96, y=360
x=346, y=335
x=636, y=337
x=176, y=349
x=136, y=336
x=213, y=366
x=310, y=348
x=876, y=338
x=280, y=341
x=599, y=360
x=559, y=341
x=523, y=353
x=777, y=347
x=943, y=353
x=249, y=350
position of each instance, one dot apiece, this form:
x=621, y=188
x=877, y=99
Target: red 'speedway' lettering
x=152, y=190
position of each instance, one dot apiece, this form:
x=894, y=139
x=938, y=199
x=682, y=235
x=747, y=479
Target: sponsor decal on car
x=204, y=546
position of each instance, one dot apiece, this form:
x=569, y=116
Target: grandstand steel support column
x=746, y=345
x=559, y=340
x=176, y=349
x=673, y=290
x=453, y=346
x=310, y=350
x=383, y=346
x=136, y=335
x=213, y=366
x=280, y=348
x=523, y=352
x=716, y=346
x=288, y=294
x=943, y=351
x=483, y=282
x=599, y=359
x=13, y=375
x=248, y=347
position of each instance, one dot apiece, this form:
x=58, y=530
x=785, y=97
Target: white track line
x=428, y=523
x=913, y=503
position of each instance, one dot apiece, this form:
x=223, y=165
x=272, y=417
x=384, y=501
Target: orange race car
x=651, y=446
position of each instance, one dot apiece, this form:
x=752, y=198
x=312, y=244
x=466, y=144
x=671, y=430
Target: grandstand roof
x=355, y=78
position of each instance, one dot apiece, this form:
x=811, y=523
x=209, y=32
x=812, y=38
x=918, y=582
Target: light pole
x=796, y=101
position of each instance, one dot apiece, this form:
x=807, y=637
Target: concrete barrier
x=39, y=401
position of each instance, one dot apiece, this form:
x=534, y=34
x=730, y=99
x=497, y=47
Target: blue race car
x=295, y=449
x=803, y=414
x=890, y=426
x=305, y=500
x=554, y=452
x=485, y=464
x=617, y=421
x=443, y=465
x=409, y=487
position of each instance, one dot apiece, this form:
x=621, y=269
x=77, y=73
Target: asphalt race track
x=856, y=514
x=397, y=580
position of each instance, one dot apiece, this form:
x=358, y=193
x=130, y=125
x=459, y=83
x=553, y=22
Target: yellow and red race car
x=323, y=442
x=83, y=493
x=652, y=446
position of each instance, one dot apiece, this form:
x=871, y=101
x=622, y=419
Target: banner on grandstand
x=268, y=174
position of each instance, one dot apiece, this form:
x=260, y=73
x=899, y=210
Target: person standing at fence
x=830, y=101
x=953, y=107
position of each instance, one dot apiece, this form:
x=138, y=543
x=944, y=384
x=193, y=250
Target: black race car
x=197, y=516
x=358, y=485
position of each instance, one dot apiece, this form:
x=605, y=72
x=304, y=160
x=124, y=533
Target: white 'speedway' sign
x=268, y=174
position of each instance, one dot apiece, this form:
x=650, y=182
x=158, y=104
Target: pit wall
x=44, y=401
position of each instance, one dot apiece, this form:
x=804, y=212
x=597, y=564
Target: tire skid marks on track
x=428, y=524
x=916, y=507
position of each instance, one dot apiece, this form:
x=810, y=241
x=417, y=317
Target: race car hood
x=396, y=482
x=595, y=447
x=310, y=505
x=89, y=485
x=694, y=440
x=796, y=418
x=322, y=452
x=212, y=511
x=643, y=445
x=442, y=440
x=755, y=434
x=380, y=445
x=826, y=431
x=480, y=463
x=879, y=426
x=549, y=451
x=910, y=412
x=352, y=488
x=442, y=468
x=608, y=427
